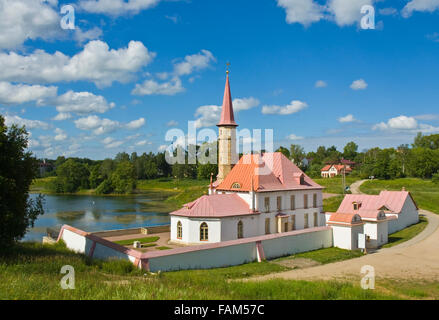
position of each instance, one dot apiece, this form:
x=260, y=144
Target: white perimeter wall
x=229, y=255
x=81, y=244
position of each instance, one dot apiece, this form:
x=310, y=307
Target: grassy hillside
x=425, y=192
x=334, y=185
x=32, y=271
x=181, y=191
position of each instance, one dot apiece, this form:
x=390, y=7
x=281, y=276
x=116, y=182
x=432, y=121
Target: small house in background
x=348, y=163
x=333, y=170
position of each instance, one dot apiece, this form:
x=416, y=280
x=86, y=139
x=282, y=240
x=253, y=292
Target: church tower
x=227, y=156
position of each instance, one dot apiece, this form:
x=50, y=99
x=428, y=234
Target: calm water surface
x=95, y=213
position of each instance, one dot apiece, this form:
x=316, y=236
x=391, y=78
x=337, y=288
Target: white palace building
x=263, y=207
x=261, y=194
x=267, y=194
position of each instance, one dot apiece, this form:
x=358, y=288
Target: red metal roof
x=269, y=171
x=227, y=117
x=392, y=200
x=214, y=206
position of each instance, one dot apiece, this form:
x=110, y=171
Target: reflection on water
x=95, y=213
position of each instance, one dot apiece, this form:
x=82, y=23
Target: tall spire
x=227, y=117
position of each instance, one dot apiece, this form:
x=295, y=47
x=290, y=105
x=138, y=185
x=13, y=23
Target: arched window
x=240, y=230
x=236, y=185
x=179, y=230
x=204, y=232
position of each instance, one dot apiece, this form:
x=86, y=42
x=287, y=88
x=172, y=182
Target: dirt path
x=417, y=258
x=355, y=187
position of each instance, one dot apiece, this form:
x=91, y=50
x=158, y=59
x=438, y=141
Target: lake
x=95, y=213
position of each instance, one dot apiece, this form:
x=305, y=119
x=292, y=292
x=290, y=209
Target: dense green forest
x=419, y=160
x=120, y=175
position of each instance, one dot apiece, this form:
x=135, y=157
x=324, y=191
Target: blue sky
x=132, y=70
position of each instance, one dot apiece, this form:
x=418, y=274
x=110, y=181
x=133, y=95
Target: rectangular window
x=293, y=222
x=293, y=202
x=267, y=226
x=314, y=200
x=305, y=201
x=279, y=203
x=316, y=221
x=306, y=221
x=267, y=204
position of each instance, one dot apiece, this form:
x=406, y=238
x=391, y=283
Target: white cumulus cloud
x=194, y=62
x=60, y=135
x=420, y=5
x=20, y=93
x=96, y=63
x=346, y=119
x=320, y=84
x=302, y=11
x=359, y=84
x=21, y=20
x=29, y=124
x=293, y=107
x=101, y=126
x=82, y=103
x=116, y=7
x=294, y=137
x=347, y=12
x=152, y=87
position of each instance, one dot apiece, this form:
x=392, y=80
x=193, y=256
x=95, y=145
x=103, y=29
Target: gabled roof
x=227, y=116
x=215, y=206
x=346, y=161
x=339, y=167
x=392, y=200
x=269, y=171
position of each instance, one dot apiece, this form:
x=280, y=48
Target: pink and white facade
x=377, y=217
x=261, y=194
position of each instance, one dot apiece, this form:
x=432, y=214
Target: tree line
x=120, y=175
x=419, y=160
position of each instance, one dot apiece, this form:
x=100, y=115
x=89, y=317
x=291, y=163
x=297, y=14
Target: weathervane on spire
x=228, y=65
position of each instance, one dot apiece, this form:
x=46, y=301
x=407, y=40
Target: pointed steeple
x=227, y=117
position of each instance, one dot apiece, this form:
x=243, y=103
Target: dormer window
x=356, y=205
x=236, y=185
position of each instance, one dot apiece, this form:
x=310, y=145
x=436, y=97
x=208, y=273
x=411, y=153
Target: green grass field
x=332, y=204
x=407, y=233
x=425, y=192
x=181, y=191
x=32, y=271
x=334, y=185
x=327, y=255
x=142, y=240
